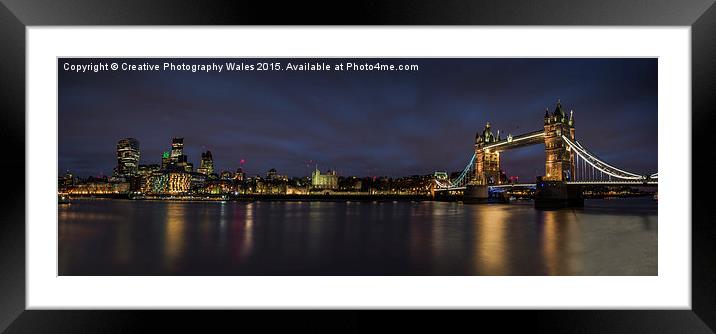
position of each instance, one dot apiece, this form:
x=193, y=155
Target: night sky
x=358, y=123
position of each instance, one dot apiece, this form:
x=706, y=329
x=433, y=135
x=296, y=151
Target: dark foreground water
x=123, y=237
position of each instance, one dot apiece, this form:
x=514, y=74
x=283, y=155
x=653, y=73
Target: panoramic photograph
x=357, y=166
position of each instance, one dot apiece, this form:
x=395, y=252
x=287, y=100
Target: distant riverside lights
x=175, y=176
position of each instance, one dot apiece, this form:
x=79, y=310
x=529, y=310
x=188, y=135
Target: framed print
x=491, y=159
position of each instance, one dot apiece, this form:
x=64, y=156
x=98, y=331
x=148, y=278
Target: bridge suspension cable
x=600, y=170
x=464, y=177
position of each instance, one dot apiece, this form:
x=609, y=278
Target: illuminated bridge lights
x=614, y=175
x=517, y=141
x=463, y=177
x=601, y=166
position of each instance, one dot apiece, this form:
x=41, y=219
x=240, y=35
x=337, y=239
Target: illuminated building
x=167, y=182
x=178, y=183
x=147, y=183
x=220, y=187
x=226, y=175
x=127, y=157
x=269, y=187
x=120, y=187
x=296, y=191
x=146, y=170
x=177, y=150
x=98, y=186
x=206, y=166
x=198, y=181
x=272, y=175
x=145, y=175
x=324, y=181
x=91, y=188
x=181, y=164
x=175, y=159
x=559, y=159
x=66, y=181
x=166, y=159
x=240, y=175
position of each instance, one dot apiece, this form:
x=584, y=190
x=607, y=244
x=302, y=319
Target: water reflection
x=491, y=245
x=419, y=236
x=122, y=244
x=325, y=238
x=173, y=235
x=561, y=241
x=244, y=226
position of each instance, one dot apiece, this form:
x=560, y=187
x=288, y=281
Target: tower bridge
x=568, y=165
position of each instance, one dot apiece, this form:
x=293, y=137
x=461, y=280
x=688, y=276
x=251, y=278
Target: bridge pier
x=476, y=194
x=557, y=195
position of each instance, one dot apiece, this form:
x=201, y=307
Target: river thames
x=135, y=237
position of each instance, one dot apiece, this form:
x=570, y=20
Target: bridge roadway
x=530, y=138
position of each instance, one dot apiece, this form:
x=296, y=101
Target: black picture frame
x=15, y=15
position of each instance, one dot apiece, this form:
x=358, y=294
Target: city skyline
x=362, y=124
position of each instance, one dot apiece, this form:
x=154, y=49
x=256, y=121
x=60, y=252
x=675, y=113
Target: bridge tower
x=487, y=163
x=559, y=160
x=487, y=167
x=552, y=190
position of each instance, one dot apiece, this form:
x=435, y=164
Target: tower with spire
x=487, y=163
x=559, y=160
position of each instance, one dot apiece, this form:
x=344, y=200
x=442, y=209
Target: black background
x=16, y=14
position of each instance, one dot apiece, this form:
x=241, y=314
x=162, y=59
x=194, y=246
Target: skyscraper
x=206, y=166
x=177, y=159
x=177, y=149
x=166, y=157
x=127, y=157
